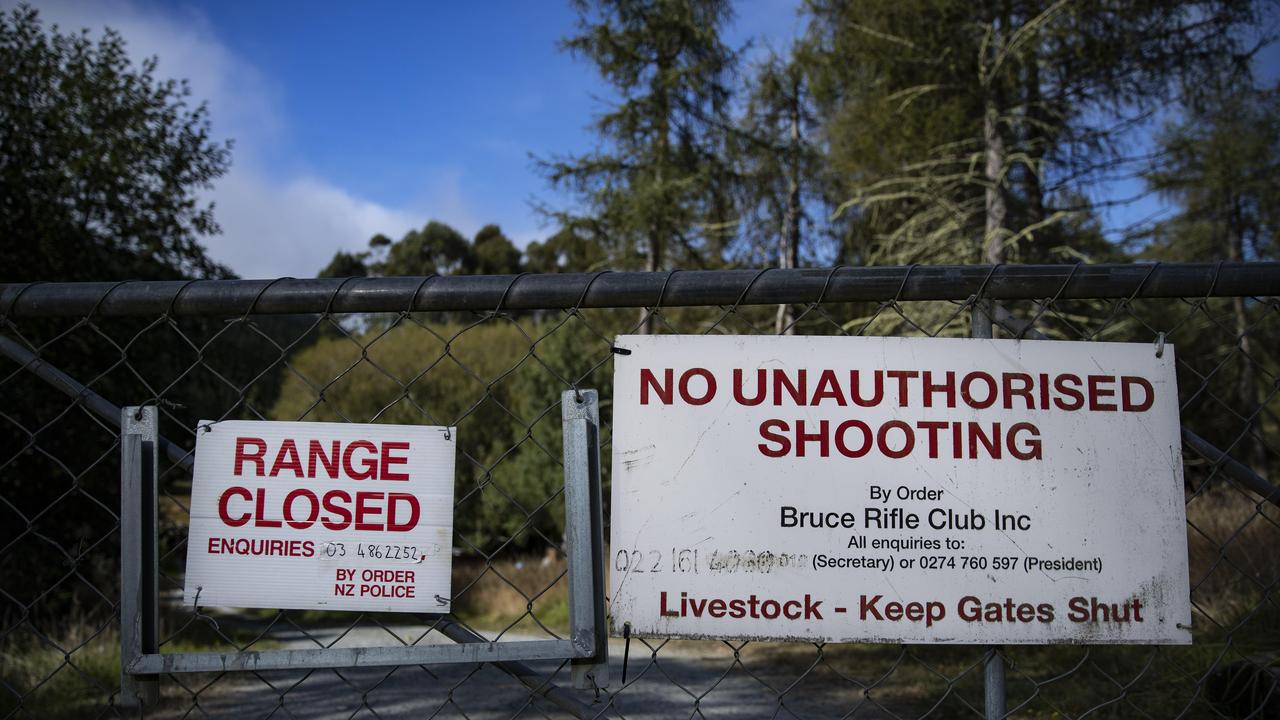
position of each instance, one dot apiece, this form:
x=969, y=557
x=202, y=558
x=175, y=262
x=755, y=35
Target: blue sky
x=351, y=119
x=356, y=118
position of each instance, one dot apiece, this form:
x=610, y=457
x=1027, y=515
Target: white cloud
x=294, y=228
x=241, y=101
x=272, y=226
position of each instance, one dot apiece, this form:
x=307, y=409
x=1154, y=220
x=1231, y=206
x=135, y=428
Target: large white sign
x=327, y=516
x=897, y=490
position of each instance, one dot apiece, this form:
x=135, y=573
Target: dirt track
x=681, y=683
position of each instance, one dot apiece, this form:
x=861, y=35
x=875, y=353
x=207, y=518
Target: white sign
x=325, y=516
x=897, y=490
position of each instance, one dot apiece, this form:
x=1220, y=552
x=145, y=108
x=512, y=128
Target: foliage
x=1221, y=166
x=436, y=249
x=101, y=162
x=566, y=251
x=657, y=193
x=492, y=253
x=963, y=132
x=490, y=380
x=779, y=165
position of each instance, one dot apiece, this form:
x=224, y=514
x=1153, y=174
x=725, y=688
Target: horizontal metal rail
x=91, y=400
x=471, y=652
x=223, y=298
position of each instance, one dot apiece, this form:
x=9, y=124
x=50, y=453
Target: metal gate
x=94, y=372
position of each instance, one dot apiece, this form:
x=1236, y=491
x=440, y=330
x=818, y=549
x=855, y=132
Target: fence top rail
x=680, y=288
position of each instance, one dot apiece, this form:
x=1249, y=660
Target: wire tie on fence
x=1160, y=345
x=619, y=350
x=626, y=649
x=207, y=618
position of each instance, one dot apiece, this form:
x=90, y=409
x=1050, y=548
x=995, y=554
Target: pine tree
x=779, y=170
x=976, y=131
x=1221, y=168
x=657, y=192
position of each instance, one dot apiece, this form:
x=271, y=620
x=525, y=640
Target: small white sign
x=323, y=516
x=897, y=490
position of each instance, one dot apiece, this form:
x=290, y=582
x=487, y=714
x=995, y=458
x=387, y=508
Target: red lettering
x=287, y=459
x=259, y=513
x=414, y=512
x=820, y=437
x=1030, y=449
x=1096, y=391
x=364, y=511
x=1023, y=391
x=907, y=445
x=966, y=390
x=242, y=456
x=947, y=387
x=369, y=463
x=796, y=391
x=388, y=460
x=932, y=427
x=315, y=451
x=767, y=432
x=844, y=448
x=741, y=399
x=877, y=393
x=647, y=380
x=1072, y=391
x=311, y=515
x=707, y=395
x=226, y=498
x=902, y=376
x=339, y=517
x=827, y=388
x=1127, y=383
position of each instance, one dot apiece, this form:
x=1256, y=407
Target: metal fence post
x=993, y=682
x=139, y=611
x=993, y=662
x=584, y=535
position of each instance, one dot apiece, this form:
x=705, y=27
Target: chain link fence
x=491, y=356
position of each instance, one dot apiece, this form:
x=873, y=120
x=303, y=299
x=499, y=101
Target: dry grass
x=1231, y=541
x=72, y=669
x=526, y=594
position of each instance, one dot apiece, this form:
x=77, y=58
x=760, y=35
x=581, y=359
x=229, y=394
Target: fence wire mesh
x=497, y=375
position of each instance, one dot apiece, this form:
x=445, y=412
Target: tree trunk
x=658, y=226
x=1035, y=146
x=994, y=149
x=651, y=264
x=1247, y=383
x=789, y=252
x=995, y=202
